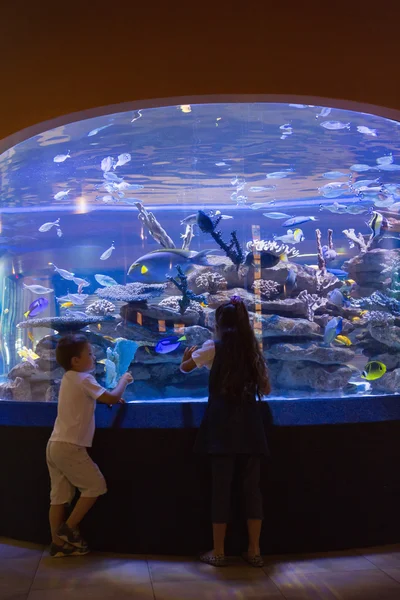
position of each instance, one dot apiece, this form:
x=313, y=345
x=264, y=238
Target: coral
x=187, y=295
x=172, y=302
x=131, y=292
x=64, y=324
x=379, y=319
x=154, y=227
x=118, y=360
x=268, y=289
x=355, y=240
x=211, y=282
x=232, y=249
x=377, y=299
x=187, y=237
x=100, y=307
x=273, y=247
x=312, y=303
x=320, y=254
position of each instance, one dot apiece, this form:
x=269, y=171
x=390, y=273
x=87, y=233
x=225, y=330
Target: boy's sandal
x=218, y=560
x=255, y=561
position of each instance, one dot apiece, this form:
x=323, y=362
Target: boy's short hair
x=69, y=346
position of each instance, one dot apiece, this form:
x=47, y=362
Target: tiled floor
x=27, y=573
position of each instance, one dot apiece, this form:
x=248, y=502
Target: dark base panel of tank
x=326, y=486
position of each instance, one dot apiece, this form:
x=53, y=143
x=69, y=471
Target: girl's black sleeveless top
x=230, y=427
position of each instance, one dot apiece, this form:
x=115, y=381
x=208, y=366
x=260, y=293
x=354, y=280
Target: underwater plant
x=187, y=295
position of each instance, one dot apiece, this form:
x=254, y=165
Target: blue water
x=213, y=157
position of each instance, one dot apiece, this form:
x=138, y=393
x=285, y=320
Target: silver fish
x=278, y=174
x=76, y=314
x=48, y=226
x=334, y=125
x=107, y=163
x=221, y=164
x=291, y=237
x=61, y=195
x=389, y=167
x=97, y=130
x=123, y=159
x=261, y=205
x=59, y=232
x=262, y=188
x=333, y=175
x=276, y=215
x=38, y=289
x=334, y=208
x=324, y=112
x=60, y=158
x=112, y=177
x=108, y=252
x=364, y=182
x=294, y=221
x=78, y=299
x=124, y=185
x=107, y=199
x=63, y=272
x=366, y=130
x=360, y=168
x=105, y=280
x=80, y=282
x=357, y=209
x=385, y=160
x=334, y=189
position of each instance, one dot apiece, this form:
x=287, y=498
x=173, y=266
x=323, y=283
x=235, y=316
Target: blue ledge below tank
x=178, y=415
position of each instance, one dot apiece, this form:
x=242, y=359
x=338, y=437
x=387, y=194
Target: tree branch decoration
x=187, y=295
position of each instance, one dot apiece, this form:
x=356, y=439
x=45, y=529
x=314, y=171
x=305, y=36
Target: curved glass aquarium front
x=133, y=226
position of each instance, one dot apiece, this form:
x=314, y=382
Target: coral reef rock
x=390, y=336
x=25, y=370
x=268, y=289
x=389, y=382
x=167, y=310
x=211, y=282
x=276, y=326
x=100, y=307
x=64, y=324
x=310, y=351
x=18, y=389
x=304, y=375
x=372, y=269
x=287, y=307
x=132, y=292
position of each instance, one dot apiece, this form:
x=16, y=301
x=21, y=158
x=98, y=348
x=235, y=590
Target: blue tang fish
x=154, y=266
x=332, y=329
x=338, y=273
x=36, y=307
x=169, y=344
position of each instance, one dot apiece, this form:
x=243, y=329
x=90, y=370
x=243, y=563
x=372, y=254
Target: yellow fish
x=373, y=370
x=110, y=339
x=343, y=340
x=66, y=305
x=102, y=361
x=349, y=282
x=363, y=313
x=99, y=326
x=30, y=336
x=203, y=304
x=27, y=355
x=355, y=319
x=147, y=349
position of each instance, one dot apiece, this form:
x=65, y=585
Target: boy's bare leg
x=254, y=530
x=56, y=518
x=81, y=508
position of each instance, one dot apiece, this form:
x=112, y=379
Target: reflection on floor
x=27, y=573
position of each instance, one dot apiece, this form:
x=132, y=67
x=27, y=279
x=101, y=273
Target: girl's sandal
x=217, y=560
x=255, y=561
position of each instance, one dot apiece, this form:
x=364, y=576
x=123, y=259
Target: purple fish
x=36, y=307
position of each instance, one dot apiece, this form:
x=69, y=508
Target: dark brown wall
x=63, y=56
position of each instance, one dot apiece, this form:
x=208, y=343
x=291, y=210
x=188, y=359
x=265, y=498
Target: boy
x=69, y=464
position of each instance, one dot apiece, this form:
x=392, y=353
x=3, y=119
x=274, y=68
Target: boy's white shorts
x=71, y=467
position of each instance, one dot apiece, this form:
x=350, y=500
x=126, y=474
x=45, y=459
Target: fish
x=107, y=163
x=38, y=289
x=279, y=174
x=110, y=339
x=30, y=336
x=80, y=282
x=74, y=298
x=343, y=340
x=366, y=130
x=334, y=175
x=124, y=186
x=324, y=112
x=336, y=297
x=190, y=220
x=28, y=355
x=291, y=237
x=339, y=273
x=294, y=221
x=355, y=319
x=334, y=208
x=221, y=164
x=97, y=130
x=221, y=216
x=108, y=252
x=334, y=125
x=63, y=272
x=261, y=205
x=298, y=105
x=186, y=108
x=262, y=188
x=75, y=314
x=154, y=266
x=59, y=232
x=369, y=190
x=290, y=282
x=377, y=223
x=169, y=344
x=36, y=307
x=49, y=225
x=389, y=167
x=67, y=304
x=385, y=160
x=329, y=254
x=6, y=311
x=373, y=370
x=99, y=326
x=123, y=159
x=105, y=280
x=332, y=329
x=112, y=177
x=276, y=215
x=60, y=158
x=357, y=209
x=364, y=183
x=147, y=349
x=204, y=222
x=286, y=127
x=267, y=259
x=61, y=195
x=334, y=189
x=107, y=198
x=360, y=168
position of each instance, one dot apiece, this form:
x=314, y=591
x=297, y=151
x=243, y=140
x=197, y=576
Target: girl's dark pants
x=223, y=470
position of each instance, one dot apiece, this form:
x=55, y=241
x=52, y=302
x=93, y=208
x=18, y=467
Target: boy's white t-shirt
x=76, y=406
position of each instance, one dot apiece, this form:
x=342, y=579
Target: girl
x=232, y=431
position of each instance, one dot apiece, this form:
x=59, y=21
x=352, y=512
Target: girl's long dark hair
x=243, y=372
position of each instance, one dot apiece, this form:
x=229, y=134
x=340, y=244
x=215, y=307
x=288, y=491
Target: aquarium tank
x=134, y=226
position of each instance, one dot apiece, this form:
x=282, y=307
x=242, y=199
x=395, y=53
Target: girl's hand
x=188, y=353
x=127, y=378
